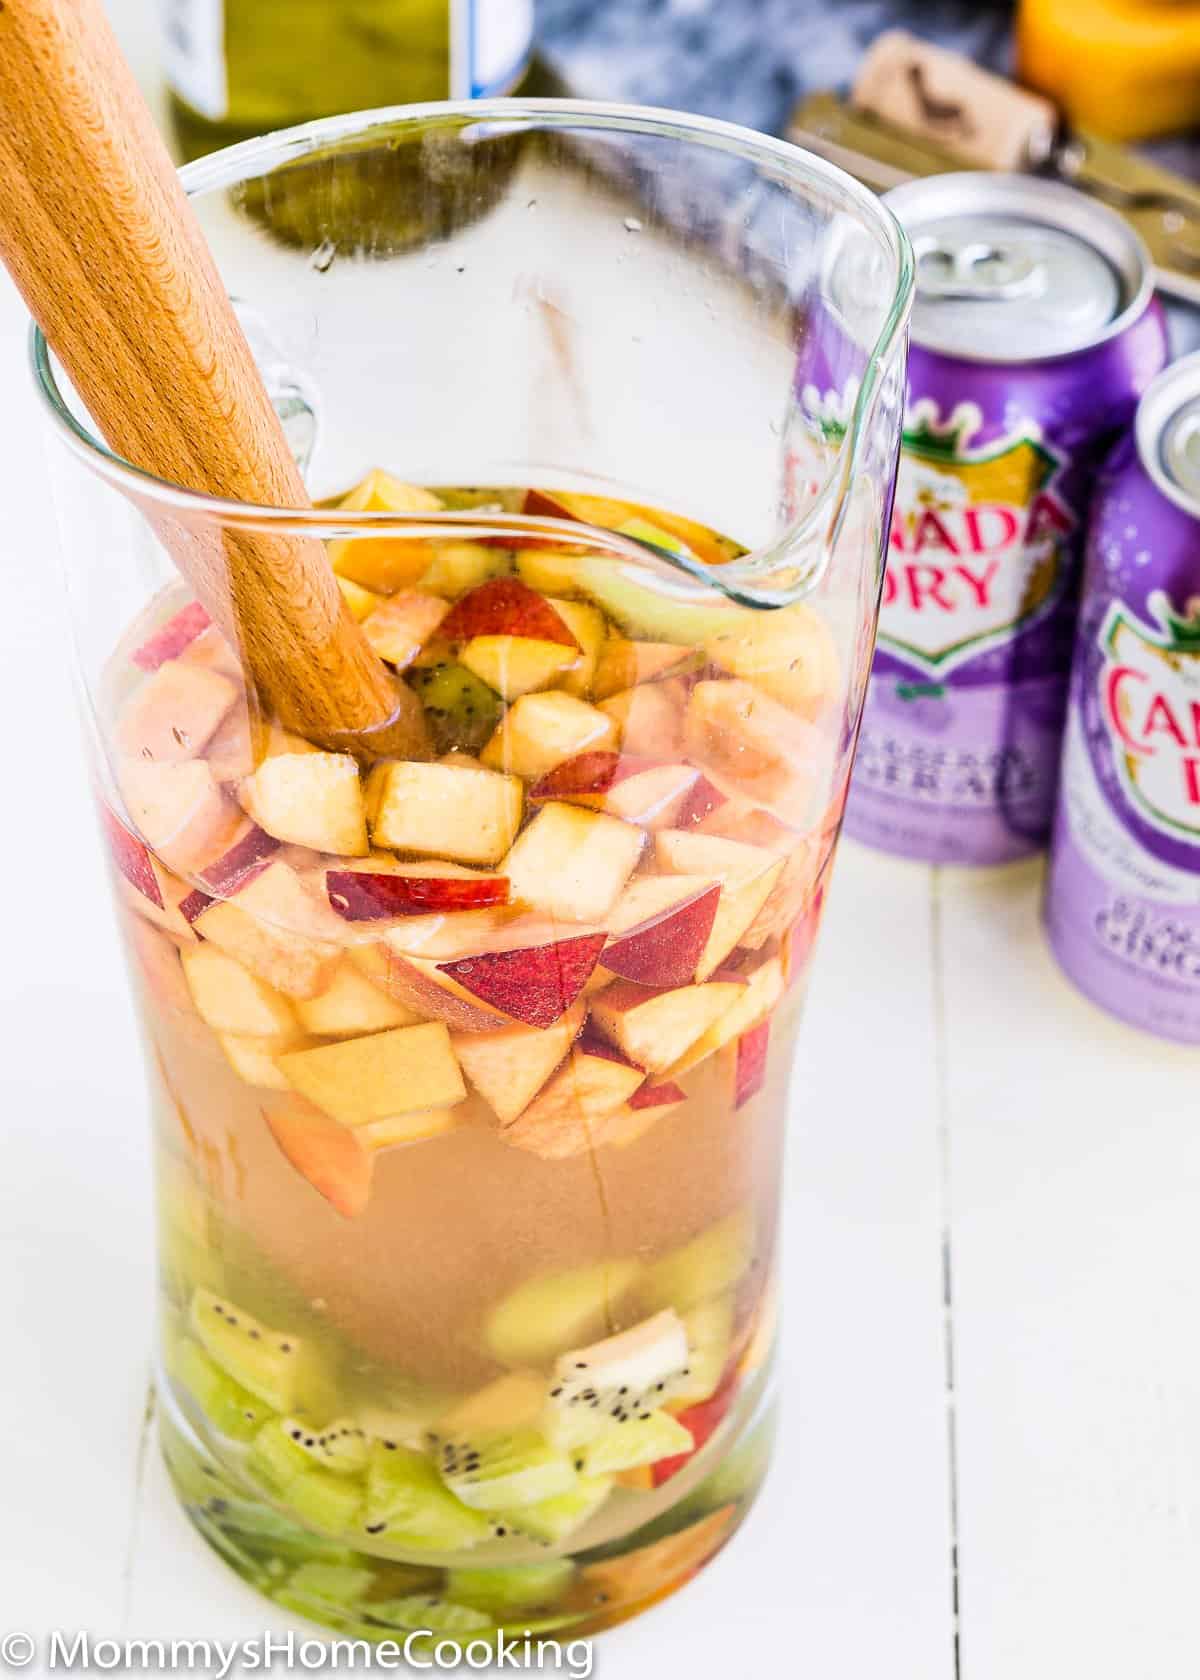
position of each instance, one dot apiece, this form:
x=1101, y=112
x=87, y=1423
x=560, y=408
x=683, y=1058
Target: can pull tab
x=978, y=271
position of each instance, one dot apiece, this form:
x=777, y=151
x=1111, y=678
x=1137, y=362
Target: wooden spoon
x=111, y=261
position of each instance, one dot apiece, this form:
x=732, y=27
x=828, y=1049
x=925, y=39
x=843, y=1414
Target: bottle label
x=490, y=41
x=978, y=544
x=194, y=54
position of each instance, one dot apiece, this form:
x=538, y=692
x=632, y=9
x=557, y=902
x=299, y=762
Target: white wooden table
x=1013, y=1429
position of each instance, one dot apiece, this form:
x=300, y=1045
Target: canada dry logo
x=1150, y=702
x=976, y=545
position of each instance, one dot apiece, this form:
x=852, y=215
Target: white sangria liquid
x=470, y=1073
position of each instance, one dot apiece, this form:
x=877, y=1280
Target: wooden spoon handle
x=113, y=265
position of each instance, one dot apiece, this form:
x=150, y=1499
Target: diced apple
x=366, y=895
x=170, y=641
x=330, y=1156
x=146, y=885
x=350, y=1005
x=704, y=799
x=799, y=939
x=426, y=991
x=804, y=858
x=535, y=985
x=660, y=927
x=587, y=626
x=242, y=743
x=571, y=863
x=172, y=715
x=509, y=1067
x=380, y=1075
x=569, y=1114
x=769, y=753
x=232, y=1000
x=179, y=809
x=653, y=1026
x=645, y=1108
x=789, y=654
x=279, y=929
x=214, y=653
x=635, y=789
x=539, y=731
x=362, y=602
x=399, y=1129
x=508, y=608
x=156, y=962
x=750, y=1063
x=436, y=810
x=650, y=718
x=517, y=665
x=762, y=991
x=554, y=571
x=624, y=664
x=384, y=564
x=309, y=799
x=254, y=1060
x=401, y=626
x=748, y=874
x=457, y=567
x=450, y=934
x=247, y=857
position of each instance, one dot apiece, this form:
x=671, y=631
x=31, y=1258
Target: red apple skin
x=701, y=1422
x=130, y=856
x=703, y=800
x=666, y=950
x=176, y=634
x=504, y=607
x=751, y=1074
x=536, y=984
x=658, y=1096
x=586, y=773
x=365, y=896
x=801, y=937
x=590, y=1044
x=423, y=995
x=233, y=870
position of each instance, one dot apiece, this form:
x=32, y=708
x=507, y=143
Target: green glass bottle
x=236, y=68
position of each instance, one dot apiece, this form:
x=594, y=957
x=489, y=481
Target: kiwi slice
x=640, y=1440
x=462, y=712
x=552, y=1520
x=546, y=1315
x=276, y=1458
x=231, y=1409
x=270, y=1363
x=419, y=1611
x=709, y=1265
x=709, y=1330
x=335, y=1583
x=408, y=1505
x=340, y=1446
x=322, y=1500
x=496, y=1472
x=522, y=1586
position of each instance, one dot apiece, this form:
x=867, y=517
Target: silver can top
x=1011, y=268
x=1168, y=432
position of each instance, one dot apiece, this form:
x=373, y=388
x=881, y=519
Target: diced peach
x=329, y=1155
x=789, y=654
x=399, y=1129
x=804, y=857
x=571, y=863
x=568, y=1116
x=422, y=987
x=650, y=718
x=350, y=1005
x=653, y=798
x=509, y=1067
x=541, y=730
x=172, y=715
x=384, y=564
x=617, y=515
x=516, y=665
x=380, y=1075
x=655, y=1025
x=362, y=602
x=458, y=567
x=623, y=664
x=586, y=624
x=279, y=929
x=769, y=753
x=437, y=810
x=232, y=1000
x=179, y=809
x=762, y=991
x=309, y=799
x=660, y=927
x=748, y=874
x=554, y=571
x=400, y=627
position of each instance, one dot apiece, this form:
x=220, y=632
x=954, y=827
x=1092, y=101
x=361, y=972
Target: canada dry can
x=1123, y=890
x=1034, y=333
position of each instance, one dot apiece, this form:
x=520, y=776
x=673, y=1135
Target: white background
x=949, y=1082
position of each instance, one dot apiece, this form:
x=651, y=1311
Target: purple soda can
x=1122, y=904
x=1034, y=333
